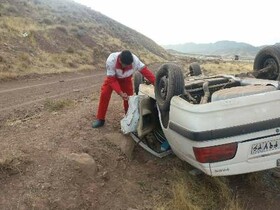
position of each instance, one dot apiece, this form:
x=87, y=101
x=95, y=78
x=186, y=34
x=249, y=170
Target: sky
x=199, y=21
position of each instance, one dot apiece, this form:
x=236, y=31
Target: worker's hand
x=124, y=96
x=147, y=82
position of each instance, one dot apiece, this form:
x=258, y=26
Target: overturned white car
x=222, y=125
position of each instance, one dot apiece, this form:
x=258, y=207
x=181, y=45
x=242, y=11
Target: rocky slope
x=45, y=36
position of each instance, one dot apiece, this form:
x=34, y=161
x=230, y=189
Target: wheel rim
x=163, y=86
x=272, y=63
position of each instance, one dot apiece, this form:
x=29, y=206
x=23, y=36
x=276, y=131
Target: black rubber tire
x=137, y=80
x=269, y=55
x=195, y=69
x=169, y=83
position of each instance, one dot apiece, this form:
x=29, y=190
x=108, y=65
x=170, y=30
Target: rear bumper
x=237, y=168
x=243, y=161
x=245, y=167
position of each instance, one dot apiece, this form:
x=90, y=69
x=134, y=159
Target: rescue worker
x=120, y=68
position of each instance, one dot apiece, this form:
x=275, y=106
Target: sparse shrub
x=23, y=66
x=85, y=59
x=47, y=21
x=74, y=30
x=24, y=57
x=13, y=164
x=63, y=59
x=63, y=29
x=70, y=50
x=62, y=21
x=80, y=33
x=72, y=65
x=52, y=105
x=197, y=193
x=1, y=59
x=12, y=9
x=81, y=27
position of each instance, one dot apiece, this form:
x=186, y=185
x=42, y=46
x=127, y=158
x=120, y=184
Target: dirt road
x=17, y=94
x=55, y=160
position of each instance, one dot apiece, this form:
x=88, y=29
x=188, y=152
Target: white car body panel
x=246, y=120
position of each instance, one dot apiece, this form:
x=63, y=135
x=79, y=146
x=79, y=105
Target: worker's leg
x=105, y=96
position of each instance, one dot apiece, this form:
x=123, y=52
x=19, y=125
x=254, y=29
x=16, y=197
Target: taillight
x=215, y=153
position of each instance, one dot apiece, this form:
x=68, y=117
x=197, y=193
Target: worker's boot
x=98, y=123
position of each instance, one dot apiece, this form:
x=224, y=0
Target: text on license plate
x=265, y=146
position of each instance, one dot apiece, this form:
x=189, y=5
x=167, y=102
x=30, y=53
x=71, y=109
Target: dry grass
x=56, y=105
x=8, y=75
x=227, y=67
x=262, y=179
x=95, y=96
x=13, y=163
x=190, y=192
x=45, y=63
x=17, y=24
x=149, y=58
x=24, y=63
x=114, y=41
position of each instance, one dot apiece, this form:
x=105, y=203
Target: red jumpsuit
x=119, y=79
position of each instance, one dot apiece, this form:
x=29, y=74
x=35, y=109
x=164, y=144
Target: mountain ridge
x=222, y=48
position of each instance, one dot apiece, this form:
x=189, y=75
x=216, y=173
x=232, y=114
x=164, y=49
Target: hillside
x=221, y=48
x=46, y=36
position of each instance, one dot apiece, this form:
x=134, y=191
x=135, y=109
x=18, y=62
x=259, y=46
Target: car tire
x=195, y=69
x=269, y=55
x=169, y=83
x=137, y=80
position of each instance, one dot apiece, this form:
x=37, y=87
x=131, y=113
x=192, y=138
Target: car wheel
x=195, y=69
x=268, y=58
x=169, y=82
x=137, y=80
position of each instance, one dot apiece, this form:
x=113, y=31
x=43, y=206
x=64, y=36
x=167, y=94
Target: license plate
x=265, y=146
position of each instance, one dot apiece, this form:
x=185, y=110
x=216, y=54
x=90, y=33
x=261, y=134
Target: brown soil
x=55, y=160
